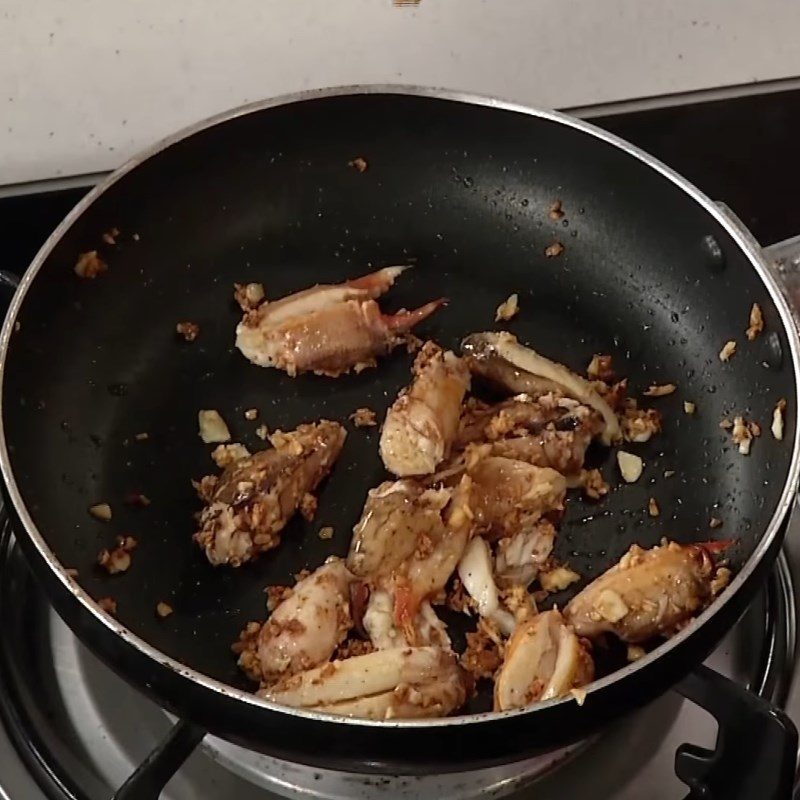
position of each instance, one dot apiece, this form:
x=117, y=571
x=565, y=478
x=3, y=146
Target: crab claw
x=403, y=321
x=328, y=330
x=405, y=682
x=377, y=283
x=715, y=546
x=648, y=593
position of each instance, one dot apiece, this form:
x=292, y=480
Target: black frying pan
x=652, y=273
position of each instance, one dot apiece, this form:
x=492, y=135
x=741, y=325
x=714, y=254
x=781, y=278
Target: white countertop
x=86, y=83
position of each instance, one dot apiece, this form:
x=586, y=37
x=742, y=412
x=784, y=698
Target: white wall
x=86, y=83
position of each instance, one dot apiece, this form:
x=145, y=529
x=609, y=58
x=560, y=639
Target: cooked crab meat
x=396, y=515
x=648, y=593
x=544, y=659
x=385, y=633
x=403, y=682
x=409, y=540
x=423, y=421
x=500, y=358
x=563, y=451
x=306, y=628
x=250, y=503
x=475, y=572
x=520, y=557
x=328, y=330
x=508, y=497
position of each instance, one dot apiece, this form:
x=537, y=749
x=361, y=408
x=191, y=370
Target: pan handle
x=756, y=749
x=148, y=780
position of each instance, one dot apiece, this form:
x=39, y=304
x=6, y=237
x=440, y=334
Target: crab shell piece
x=401, y=682
x=305, y=629
x=544, y=659
x=499, y=357
x=328, y=330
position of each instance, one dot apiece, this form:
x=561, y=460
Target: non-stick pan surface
x=462, y=191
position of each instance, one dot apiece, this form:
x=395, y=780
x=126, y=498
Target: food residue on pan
x=630, y=466
x=359, y=164
x=101, y=511
x=756, y=322
x=108, y=604
x=117, y=560
x=742, y=434
x=556, y=211
x=715, y=522
x=653, y=508
x=137, y=499
x=110, y=236
x=594, y=485
x=778, y=419
x=554, y=249
x=659, y=390
x=90, y=265
x=250, y=414
x=212, y=428
x=188, y=330
x=326, y=532
x=364, y=418
x=508, y=309
x=689, y=407
x=163, y=609
x=728, y=351
x=262, y=431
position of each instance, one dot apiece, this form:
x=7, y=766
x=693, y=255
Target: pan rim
x=740, y=235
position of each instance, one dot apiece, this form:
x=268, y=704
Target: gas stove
x=70, y=728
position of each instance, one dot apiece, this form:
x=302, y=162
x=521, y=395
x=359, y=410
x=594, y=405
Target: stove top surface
x=74, y=729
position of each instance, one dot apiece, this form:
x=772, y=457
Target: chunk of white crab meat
x=403, y=682
x=305, y=629
x=475, y=572
x=520, y=557
x=422, y=422
x=544, y=659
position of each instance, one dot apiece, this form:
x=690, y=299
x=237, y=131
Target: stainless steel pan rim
x=742, y=238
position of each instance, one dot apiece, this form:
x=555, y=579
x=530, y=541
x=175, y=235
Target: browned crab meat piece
x=508, y=497
x=408, y=542
x=521, y=413
x=306, y=628
x=648, y=593
x=563, y=451
x=549, y=431
x=250, y=503
x=328, y=330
